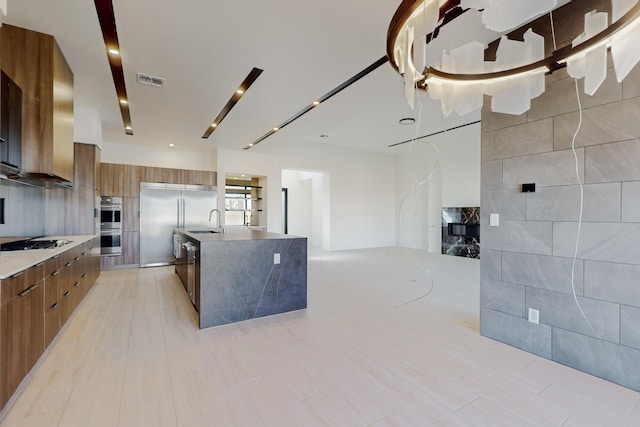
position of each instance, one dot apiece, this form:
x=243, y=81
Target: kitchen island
x=245, y=274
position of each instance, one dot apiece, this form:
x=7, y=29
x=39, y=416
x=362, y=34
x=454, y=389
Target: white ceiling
x=205, y=48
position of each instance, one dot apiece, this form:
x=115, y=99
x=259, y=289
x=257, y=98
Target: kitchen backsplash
x=25, y=210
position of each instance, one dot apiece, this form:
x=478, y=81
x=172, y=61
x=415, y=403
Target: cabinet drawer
x=53, y=289
x=52, y=323
x=19, y=283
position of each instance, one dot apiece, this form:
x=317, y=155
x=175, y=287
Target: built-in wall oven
x=110, y=225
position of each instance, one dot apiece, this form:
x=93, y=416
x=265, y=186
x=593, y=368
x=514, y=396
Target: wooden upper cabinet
x=198, y=177
x=151, y=174
x=131, y=181
x=36, y=64
x=112, y=179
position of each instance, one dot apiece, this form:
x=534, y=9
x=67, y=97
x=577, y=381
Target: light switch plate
x=494, y=220
x=534, y=316
x=276, y=258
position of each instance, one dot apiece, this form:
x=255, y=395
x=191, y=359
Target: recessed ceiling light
x=213, y=125
x=171, y=145
x=243, y=175
x=235, y=98
x=114, y=51
x=325, y=97
x=123, y=102
x=128, y=128
x=407, y=121
x=275, y=129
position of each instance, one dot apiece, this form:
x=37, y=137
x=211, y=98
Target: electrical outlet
x=494, y=220
x=534, y=316
x=276, y=258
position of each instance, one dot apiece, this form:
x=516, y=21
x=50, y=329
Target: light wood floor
x=133, y=356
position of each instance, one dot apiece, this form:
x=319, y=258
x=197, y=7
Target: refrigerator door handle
x=183, y=213
x=178, y=216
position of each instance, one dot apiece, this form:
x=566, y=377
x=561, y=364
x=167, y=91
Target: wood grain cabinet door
x=22, y=325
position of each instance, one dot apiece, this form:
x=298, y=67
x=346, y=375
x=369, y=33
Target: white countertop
x=12, y=262
x=232, y=235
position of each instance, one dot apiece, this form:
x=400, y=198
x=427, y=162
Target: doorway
x=307, y=206
x=285, y=211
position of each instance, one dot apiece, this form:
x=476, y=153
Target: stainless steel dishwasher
x=192, y=251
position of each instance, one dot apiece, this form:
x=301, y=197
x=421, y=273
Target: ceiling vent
x=148, y=80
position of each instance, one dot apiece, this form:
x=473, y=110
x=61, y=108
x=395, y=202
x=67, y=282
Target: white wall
x=455, y=182
x=128, y=154
x=87, y=126
x=358, y=190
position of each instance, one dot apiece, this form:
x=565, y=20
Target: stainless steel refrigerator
x=164, y=207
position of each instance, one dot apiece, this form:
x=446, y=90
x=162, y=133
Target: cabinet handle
x=55, y=273
x=76, y=284
x=55, y=256
x=40, y=265
x=28, y=290
x=66, y=294
x=84, y=253
x=84, y=275
x=76, y=258
x=68, y=264
x=18, y=274
x=54, y=306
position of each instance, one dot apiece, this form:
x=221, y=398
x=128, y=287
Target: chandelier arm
x=557, y=60
x=400, y=18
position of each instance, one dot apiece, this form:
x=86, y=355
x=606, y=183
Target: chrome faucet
x=217, y=217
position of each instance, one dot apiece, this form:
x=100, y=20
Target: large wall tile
x=601, y=203
x=516, y=331
x=607, y=123
x=504, y=297
x=520, y=140
x=612, y=242
x=560, y=97
x=631, y=201
x=493, y=121
x=491, y=175
x=546, y=170
x=606, y=360
x=510, y=204
x=630, y=86
x=518, y=236
x=607, y=267
x=561, y=310
x=544, y=272
x=613, y=162
x=630, y=326
x=491, y=264
x=612, y=281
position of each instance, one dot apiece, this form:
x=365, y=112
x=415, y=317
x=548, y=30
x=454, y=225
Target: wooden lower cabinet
x=35, y=304
x=22, y=325
x=52, y=303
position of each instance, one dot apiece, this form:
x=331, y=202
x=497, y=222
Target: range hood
x=41, y=180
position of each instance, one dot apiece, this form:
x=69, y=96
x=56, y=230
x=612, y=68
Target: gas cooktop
x=20, y=245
